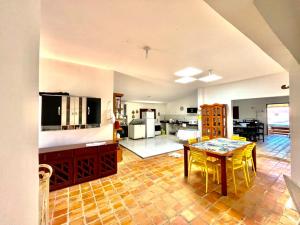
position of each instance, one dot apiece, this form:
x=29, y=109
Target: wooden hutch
x=117, y=109
x=214, y=120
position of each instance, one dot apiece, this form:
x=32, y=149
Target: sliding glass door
x=278, y=116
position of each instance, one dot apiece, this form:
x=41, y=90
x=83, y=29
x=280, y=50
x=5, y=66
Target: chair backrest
x=205, y=138
x=198, y=155
x=248, y=150
x=235, y=137
x=192, y=141
x=237, y=157
x=242, y=139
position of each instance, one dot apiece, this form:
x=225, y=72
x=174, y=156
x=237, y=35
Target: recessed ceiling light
x=210, y=77
x=185, y=80
x=188, y=71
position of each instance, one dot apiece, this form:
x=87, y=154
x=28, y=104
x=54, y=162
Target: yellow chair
x=237, y=162
x=238, y=138
x=205, y=138
x=199, y=158
x=209, y=158
x=242, y=139
x=235, y=137
x=248, y=159
x=192, y=141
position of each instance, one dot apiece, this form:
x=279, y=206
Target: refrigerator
x=150, y=123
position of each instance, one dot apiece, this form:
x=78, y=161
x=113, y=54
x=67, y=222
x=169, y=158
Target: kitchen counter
x=74, y=146
x=178, y=122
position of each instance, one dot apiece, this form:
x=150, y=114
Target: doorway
x=278, y=118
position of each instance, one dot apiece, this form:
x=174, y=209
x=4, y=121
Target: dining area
x=219, y=158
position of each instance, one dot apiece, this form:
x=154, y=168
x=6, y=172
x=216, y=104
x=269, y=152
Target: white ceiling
x=246, y=17
x=111, y=34
x=284, y=18
x=138, y=90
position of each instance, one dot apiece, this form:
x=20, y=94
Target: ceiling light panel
x=185, y=80
x=188, y=71
x=210, y=78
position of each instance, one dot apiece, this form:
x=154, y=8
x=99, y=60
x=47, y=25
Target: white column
x=295, y=122
x=200, y=101
x=19, y=49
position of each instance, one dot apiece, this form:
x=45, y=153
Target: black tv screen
x=235, y=112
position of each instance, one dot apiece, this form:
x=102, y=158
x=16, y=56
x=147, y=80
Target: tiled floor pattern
x=154, y=191
x=277, y=146
x=149, y=147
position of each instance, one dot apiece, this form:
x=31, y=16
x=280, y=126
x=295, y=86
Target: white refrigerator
x=150, y=123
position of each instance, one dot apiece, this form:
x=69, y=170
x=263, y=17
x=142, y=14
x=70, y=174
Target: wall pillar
x=19, y=63
x=295, y=122
x=200, y=101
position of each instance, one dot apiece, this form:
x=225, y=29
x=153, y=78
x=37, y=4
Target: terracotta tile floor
x=154, y=191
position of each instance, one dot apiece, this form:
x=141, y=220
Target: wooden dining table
x=220, y=148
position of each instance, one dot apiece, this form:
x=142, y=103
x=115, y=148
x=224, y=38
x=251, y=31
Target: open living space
x=150, y=112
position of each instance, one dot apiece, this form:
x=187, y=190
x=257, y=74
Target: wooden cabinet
x=107, y=161
x=75, y=164
x=85, y=164
x=64, y=112
x=214, y=120
x=51, y=110
x=62, y=165
x=93, y=111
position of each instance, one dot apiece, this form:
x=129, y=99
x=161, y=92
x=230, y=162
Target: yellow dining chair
x=248, y=159
x=209, y=158
x=237, y=162
x=205, y=138
x=199, y=158
x=238, y=138
x=235, y=137
x=242, y=139
x=192, y=141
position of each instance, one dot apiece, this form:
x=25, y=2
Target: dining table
x=220, y=148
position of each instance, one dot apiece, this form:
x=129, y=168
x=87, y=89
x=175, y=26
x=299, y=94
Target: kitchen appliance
x=157, y=129
x=148, y=117
x=192, y=110
x=137, y=129
x=193, y=122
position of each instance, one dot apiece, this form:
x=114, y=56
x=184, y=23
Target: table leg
x=186, y=162
x=223, y=176
x=254, y=157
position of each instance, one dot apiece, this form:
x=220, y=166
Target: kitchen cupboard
x=69, y=112
x=51, y=108
x=93, y=111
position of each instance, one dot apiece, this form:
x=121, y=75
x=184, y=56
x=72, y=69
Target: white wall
x=266, y=86
x=173, y=107
x=160, y=107
x=78, y=80
x=295, y=122
x=256, y=108
x=19, y=44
